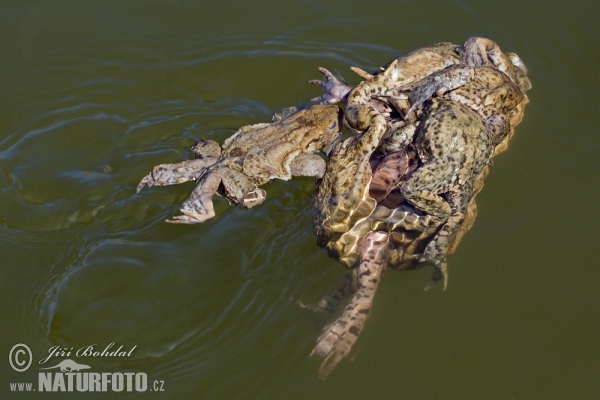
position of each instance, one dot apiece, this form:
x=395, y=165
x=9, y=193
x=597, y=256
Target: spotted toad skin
x=251, y=157
x=454, y=147
x=477, y=75
x=280, y=149
x=486, y=90
x=426, y=170
x=342, y=196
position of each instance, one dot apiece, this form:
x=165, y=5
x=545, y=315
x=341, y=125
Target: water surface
x=212, y=307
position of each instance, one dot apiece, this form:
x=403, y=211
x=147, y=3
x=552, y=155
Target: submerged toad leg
x=337, y=340
x=330, y=302
x=470, y=214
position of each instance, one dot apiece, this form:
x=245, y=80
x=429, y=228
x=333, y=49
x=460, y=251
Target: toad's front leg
x=337, y=340
x=335, y=91
x=443, y=81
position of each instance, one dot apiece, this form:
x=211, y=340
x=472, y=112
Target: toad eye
x=333, y=125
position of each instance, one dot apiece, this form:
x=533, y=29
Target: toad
x=251, y=157
x=454, y=138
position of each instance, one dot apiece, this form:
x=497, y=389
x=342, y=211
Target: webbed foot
x=435, y=254
x=334, y=345
x=254, y=197
x=440, y=273
x=198, y=208
x=334, y=91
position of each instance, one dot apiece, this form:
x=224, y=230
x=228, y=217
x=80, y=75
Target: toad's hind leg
x=172, y=174
x=423, y=189
x=437, y=250
x=199, y=206
x=337, y=340
x=207, y=154
x=237, y=187
x=330, y=302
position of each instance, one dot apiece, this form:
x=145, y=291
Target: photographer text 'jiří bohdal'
x=88, y=351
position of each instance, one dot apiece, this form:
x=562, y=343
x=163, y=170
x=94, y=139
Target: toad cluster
x=400, y=193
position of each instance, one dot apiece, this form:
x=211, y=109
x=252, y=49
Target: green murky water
x=211, y=308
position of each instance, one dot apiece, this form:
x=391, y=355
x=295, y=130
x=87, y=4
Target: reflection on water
x=212, y=307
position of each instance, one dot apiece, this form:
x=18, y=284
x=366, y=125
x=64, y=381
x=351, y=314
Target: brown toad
x=454, y=147
x=406, y=82
x=488, y=90
x=251, y=157
x=396, y=231
x=343, y=204
x=443, y=186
